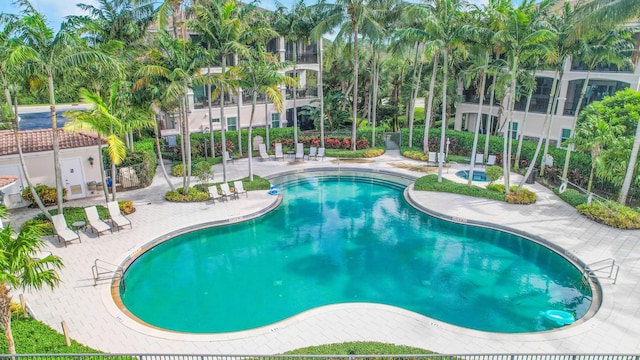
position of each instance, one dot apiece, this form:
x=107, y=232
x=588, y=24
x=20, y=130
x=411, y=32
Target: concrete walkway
x=93, y=318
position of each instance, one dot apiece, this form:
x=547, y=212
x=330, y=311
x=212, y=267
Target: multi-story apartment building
x=237, y=112
x=604, y=81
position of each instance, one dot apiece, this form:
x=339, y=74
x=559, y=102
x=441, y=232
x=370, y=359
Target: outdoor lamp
x=90, y=159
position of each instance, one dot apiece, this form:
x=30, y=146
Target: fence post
x=65, y=331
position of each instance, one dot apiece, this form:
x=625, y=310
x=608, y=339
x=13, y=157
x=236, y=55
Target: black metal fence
x=131, y=177
x=328, y=357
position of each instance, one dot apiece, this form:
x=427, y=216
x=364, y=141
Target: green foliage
x=47, y=194
x=522, y=196
x=196, y=167
x=358, y=154
x=572, y=197
x=493, y=173
x=203, y=171
x=34, y=337
x=359, y=348
x=71, y=215
x=258, y=183
x=611, y=213
x=414, y=153
x=430, y=183
x=193, y=195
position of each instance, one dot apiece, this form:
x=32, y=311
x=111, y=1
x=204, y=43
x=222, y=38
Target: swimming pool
x=478, y=175
x=349, y=239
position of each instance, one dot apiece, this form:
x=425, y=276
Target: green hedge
x=430, y=183
x=359, y=348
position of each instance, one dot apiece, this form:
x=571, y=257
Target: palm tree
x=521, y=40
x=610, y=47
x=21, y=268
x=261, y=73
x=593, y=134
x=45, y=56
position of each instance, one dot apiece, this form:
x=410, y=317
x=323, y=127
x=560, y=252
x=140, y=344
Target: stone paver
x=93, y=319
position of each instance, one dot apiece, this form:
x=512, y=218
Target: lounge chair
x=263, y=152
x=432, y=157
x=279, y=153
x=479, y=159
x=320, y=153
x=228, y=157
x=94, y=221
x=299, y=152
x=214, y=194
x=238, y=188
x=117, y=218
x=313, y=152
x=62, y=231
x=491, y=160
x=226, y=192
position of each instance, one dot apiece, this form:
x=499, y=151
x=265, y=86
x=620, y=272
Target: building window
x=275, y=120
x=231, y=123
x=216, y=120
x=514, y=130
x=566, y=134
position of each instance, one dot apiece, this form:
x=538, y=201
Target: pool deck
x=94, y=320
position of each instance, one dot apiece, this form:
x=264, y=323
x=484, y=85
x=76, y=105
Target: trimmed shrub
x=371, y=153
x=430, y=183
x=193, y=195
x=611, y=213
x=126, y=206
x=48, y=195
x=522, y=196
x=494, y=173
x=572, y=197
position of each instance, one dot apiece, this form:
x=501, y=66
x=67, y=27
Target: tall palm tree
x=593, y=134
x=44, y=55
x=261, y=73
x=601, y=48
x=21, y=268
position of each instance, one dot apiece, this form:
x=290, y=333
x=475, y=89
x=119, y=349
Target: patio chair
x=117, y=218
x=226, y=192
x=238, y=188
x=214, y=194
x=313, y=152
x=320, y=153
x=491, y=160
x=431, y=157
x=299, y=152
x=228, y=157
x=93, y=219
x=479, y=159
x=263, y=152
x=62, y=231
x=279, y=153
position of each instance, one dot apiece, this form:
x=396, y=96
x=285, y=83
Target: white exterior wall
x=41, y=171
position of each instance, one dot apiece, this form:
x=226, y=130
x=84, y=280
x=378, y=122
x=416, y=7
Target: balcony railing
x=303, y=93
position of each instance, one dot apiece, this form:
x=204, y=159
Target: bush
x=359, y=348
x=349, y=154
x=611, y=213
x=370, y=153
x=48, y=195
x=572, y=197
x=430, y=183
x=126, y=206
x=414, y=153
x=193, y=195
x=522, y=196
x=494, y=173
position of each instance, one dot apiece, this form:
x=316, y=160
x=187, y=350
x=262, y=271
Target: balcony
x=308, y=92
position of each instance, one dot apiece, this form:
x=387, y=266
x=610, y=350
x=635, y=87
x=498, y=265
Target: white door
x=73, y=178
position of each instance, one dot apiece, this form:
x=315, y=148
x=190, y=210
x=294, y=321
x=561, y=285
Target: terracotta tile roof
x=42, y=140
x=7, y=180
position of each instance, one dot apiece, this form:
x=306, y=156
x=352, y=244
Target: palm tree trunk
x=374, y=101
x=102, y=175
x=295, y=94
x=162, y=168
x=321, y=93
x=583, y=91
x=553, y=111
x=544, y=124
x=354, y=126
x=490, y=117
x=476, y=131
x=267, y=121
x=56, y=145
x=626, y=184
x=238, y=128
x=223, y=122
x=5, y=317
x=211, y=137
x=427, y=110
x=113, y=181
x=506, y=159
x=249, y=142
x=443, y=126
x=516, y=163
x=414, y=90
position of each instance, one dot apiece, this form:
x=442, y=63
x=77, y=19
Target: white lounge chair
x=214, y=194
x=63, y=232
x=263, y=152
x=279, y=153
x=299, y=151
x=479, y=159
x=491, y=160
x=238, y=188
x=93, y=219
x=313, y=152
x=117, y=217
x=228, y=157
x=320, y=153
x=226, y=192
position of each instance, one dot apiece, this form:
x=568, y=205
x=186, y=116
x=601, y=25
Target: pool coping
x=123, y=316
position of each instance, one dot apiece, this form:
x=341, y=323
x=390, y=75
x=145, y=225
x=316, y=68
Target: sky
x=56, y=10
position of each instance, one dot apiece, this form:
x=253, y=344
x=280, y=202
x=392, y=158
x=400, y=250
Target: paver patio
x=93, y=319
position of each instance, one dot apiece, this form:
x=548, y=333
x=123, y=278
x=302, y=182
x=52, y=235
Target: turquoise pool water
x=344, y=240
x=478, y=175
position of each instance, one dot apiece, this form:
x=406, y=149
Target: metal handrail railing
x=101, y=268
x=604, y=264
